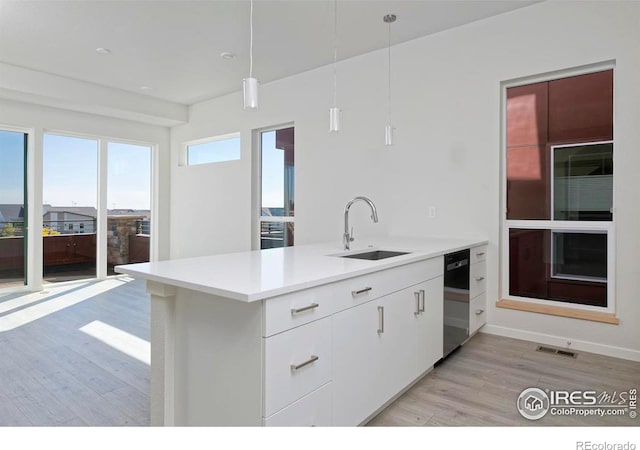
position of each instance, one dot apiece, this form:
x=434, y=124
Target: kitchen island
x=293, y=336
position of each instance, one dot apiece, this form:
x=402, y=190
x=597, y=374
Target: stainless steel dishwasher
x=456, y=300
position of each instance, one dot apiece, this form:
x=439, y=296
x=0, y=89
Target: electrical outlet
x=432, y=212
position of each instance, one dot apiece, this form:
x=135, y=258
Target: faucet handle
x=351, y=238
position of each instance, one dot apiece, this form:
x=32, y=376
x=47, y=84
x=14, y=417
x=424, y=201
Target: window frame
x=553, y=148
x=607, y=227
x=184, y=151
x=258, y=218
x=552, y=263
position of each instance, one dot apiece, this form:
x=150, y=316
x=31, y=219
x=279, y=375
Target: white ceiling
x=174, y=46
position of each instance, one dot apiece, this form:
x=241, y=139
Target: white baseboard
x=561, y=342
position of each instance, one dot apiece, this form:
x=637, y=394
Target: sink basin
x=375, y=255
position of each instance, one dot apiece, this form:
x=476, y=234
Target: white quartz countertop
x=261, y=274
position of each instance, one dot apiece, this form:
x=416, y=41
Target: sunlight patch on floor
x=58, y=300
x=122, y=341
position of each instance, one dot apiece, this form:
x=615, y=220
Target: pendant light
x=388, y=129
x=250, y=85
x=334, y=112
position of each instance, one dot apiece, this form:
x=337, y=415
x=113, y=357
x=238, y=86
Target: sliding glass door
x=13, y=209
x=69, y=210
x=128, y=204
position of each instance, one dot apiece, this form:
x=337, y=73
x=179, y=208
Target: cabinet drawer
x=297, y=308
x=478, y=254
x=312, y=410
x=477, y=313
x=378, y=284
x=477, y=279
x=295, y=363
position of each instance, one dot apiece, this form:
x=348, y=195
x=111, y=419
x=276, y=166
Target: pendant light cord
x=251, y=40
x=335, y=53
x=389, y=77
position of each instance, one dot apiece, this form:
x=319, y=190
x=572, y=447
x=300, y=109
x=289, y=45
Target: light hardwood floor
x=479, y=384
x=52, y=373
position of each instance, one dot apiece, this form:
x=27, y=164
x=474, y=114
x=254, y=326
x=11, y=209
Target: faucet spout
x=347, y=237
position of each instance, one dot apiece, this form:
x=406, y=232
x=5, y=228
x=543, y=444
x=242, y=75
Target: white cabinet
x=312, y=410
x=295, y=363
x=382, y=346
x=477, y=289
x=356, y=350
x=429, y=325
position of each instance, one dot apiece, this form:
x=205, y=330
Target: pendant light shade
x=388, y=135
x=388, y=129
x=334, y=112
x=250, y=84
x=334, y=119
x=250, y=91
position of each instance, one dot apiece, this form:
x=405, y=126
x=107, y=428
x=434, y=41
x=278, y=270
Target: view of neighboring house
x=11, y=216
x=69, y=219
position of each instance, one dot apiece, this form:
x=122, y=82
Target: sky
x=11, y=167
x=70, y=172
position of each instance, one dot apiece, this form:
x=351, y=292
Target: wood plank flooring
x=53, y=374
x=479, y=384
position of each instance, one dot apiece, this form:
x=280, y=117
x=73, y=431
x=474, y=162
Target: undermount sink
x=375, y=255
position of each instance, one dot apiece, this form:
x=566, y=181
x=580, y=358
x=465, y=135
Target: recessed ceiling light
x=228, y=55
x=103, y=51
x=145, y=88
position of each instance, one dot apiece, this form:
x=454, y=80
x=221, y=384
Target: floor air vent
x=543, y=349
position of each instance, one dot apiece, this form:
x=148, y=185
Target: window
x=219, y=149
x=559, y=191
x=277, y=194
x=13, y=208
x=583, y=181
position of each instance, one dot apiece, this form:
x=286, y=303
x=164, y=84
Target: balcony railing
x=69, y=247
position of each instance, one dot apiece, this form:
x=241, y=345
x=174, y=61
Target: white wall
x=41, y=119
x=446, y=102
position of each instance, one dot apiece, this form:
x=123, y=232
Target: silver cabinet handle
x=311, y=360
x=361, y=291
x=479, y=311
x=480, y=254
x=478, y=279
x=417, y=296
x=422, y=298
x=306, y=308
x=380, y=319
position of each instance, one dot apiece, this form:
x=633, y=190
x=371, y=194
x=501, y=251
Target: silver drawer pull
x=380, y=319
x=479, y=311
x=361, y=291
x=480, y=254
x=417, y=296
x=306, y=308
x=478, y=279
x=311, y=360
x=422, y=296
